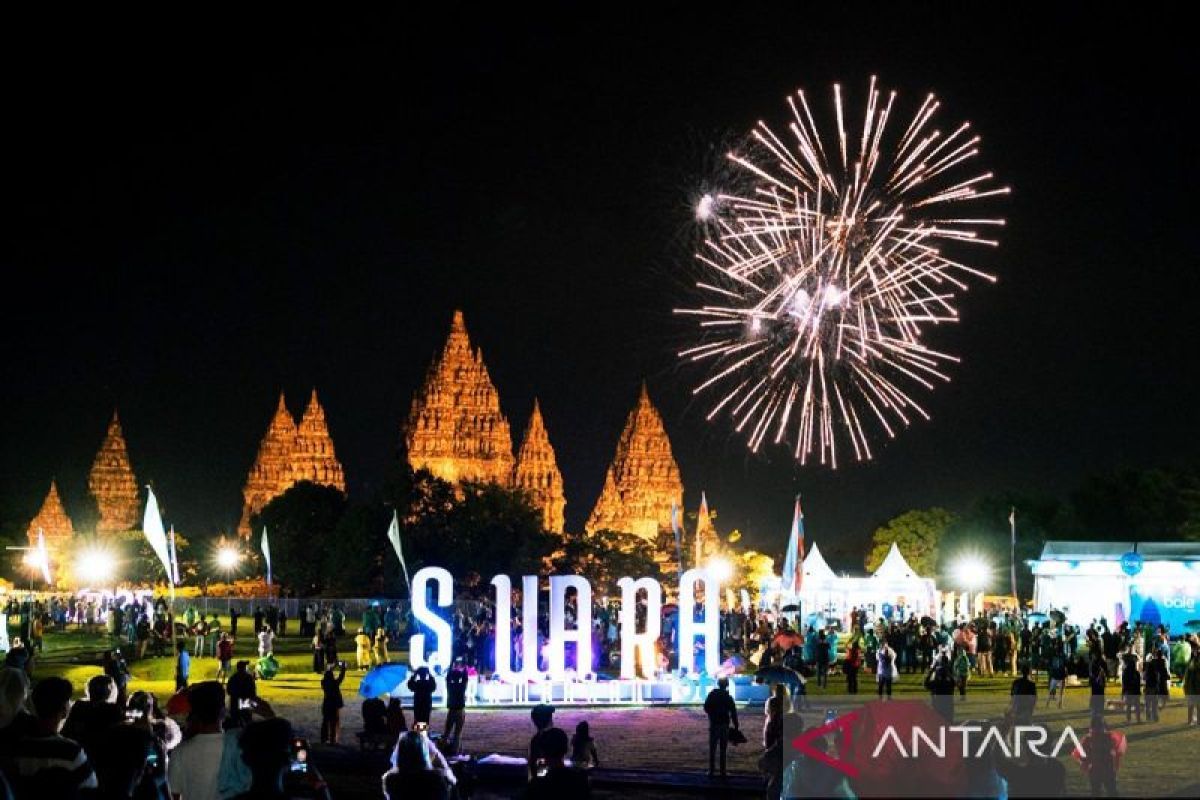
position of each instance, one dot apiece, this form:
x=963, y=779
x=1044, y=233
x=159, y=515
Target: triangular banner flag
x=152, y=527
x=266, y=551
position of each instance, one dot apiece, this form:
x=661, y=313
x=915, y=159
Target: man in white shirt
x=195, y=765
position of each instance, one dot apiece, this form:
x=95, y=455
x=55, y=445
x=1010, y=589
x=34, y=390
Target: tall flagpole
x=1012, y=554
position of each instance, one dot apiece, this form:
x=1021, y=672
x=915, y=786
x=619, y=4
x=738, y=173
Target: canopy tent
x=1093, y=580
x=894, y=567
x=894, y=590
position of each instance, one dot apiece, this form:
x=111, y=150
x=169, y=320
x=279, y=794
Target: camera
x=299, y=755
x=542, y=769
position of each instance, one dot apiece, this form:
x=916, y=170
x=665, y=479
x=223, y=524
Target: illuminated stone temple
x=53, y=523
x=290, y=453
x=455, y=427
x=457, y=430
x=643, y=481
x=112, y=484
x=536, y=472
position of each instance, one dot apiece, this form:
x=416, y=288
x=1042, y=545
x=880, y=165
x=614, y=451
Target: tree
x=917, y=533
x=302, y=527
x=362, y=562
x=138, y=563
x=489, y=529
x=604, y=557
x=1138, y=505
x=983, y=531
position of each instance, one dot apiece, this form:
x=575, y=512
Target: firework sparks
x=826, y=268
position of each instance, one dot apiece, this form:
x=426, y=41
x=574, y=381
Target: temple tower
x=455, y=427
x=643, y=481
x=112, y=483
x=537, y=472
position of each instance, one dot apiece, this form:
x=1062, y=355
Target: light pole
x=972, y=573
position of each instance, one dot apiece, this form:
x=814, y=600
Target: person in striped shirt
x=45, y=761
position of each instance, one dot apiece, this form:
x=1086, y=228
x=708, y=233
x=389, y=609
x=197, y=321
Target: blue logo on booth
x=1131, y=563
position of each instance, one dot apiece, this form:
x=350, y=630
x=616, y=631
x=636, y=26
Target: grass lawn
x=1162, y=757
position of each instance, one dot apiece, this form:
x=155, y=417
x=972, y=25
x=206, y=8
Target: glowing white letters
x=709, y=628
x=559, y=635
x=633, y=643
x=638, y=649
x=529, y=642
x=424, y=616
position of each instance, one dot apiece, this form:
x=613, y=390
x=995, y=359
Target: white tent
x=816, y=568
x=894, y=567
x=894, y=588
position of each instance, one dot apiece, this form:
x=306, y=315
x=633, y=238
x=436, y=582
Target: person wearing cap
x=556, y=780
x=542, y=716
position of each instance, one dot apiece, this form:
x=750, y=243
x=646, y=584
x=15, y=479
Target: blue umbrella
x=384, y=679
x=1038, y=616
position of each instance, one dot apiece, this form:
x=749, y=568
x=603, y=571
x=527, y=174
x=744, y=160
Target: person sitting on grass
x=43, y=763
x=583, y=748
x=553, y=779
x=418, y=771
x=91, y=718
x=267, y=750
x=125, y=757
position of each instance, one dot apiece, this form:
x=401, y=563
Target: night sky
x=203, y=212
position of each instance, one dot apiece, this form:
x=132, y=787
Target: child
x=583, y=749
x=1131, y=686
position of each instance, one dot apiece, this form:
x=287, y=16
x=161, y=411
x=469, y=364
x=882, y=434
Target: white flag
x=393, y=535
x=152, y=526
x=174, y=559
x=266, y=551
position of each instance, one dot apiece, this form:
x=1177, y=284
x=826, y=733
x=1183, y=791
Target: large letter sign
x=631, y=641
x=709, y=628
x=529, y=643
x=424, y=616
x=559, y=635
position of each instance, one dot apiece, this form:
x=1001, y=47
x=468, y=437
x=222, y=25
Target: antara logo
x=1025, y=739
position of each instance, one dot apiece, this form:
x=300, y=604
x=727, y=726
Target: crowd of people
x=1140, y=660
x=230, y=745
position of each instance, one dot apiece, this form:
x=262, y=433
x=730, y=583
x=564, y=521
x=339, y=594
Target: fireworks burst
x=825, y=270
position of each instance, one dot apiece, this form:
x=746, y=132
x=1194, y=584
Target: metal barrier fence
x=353, y=607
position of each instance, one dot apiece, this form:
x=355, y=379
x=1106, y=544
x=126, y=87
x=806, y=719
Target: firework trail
x=825, y=268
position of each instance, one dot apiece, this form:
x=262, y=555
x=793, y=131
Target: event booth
x=1153, y=582
x=894, y=591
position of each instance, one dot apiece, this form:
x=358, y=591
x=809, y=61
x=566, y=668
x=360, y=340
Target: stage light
x=720, y=569
x=972, y=572
x=95, y=566
x=228, y=558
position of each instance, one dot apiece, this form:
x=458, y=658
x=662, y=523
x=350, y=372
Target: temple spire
x=289, y=453
x=537, y=472
x=52, y=521
x=455, y=427
x=112, y=483
x=643, y=481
